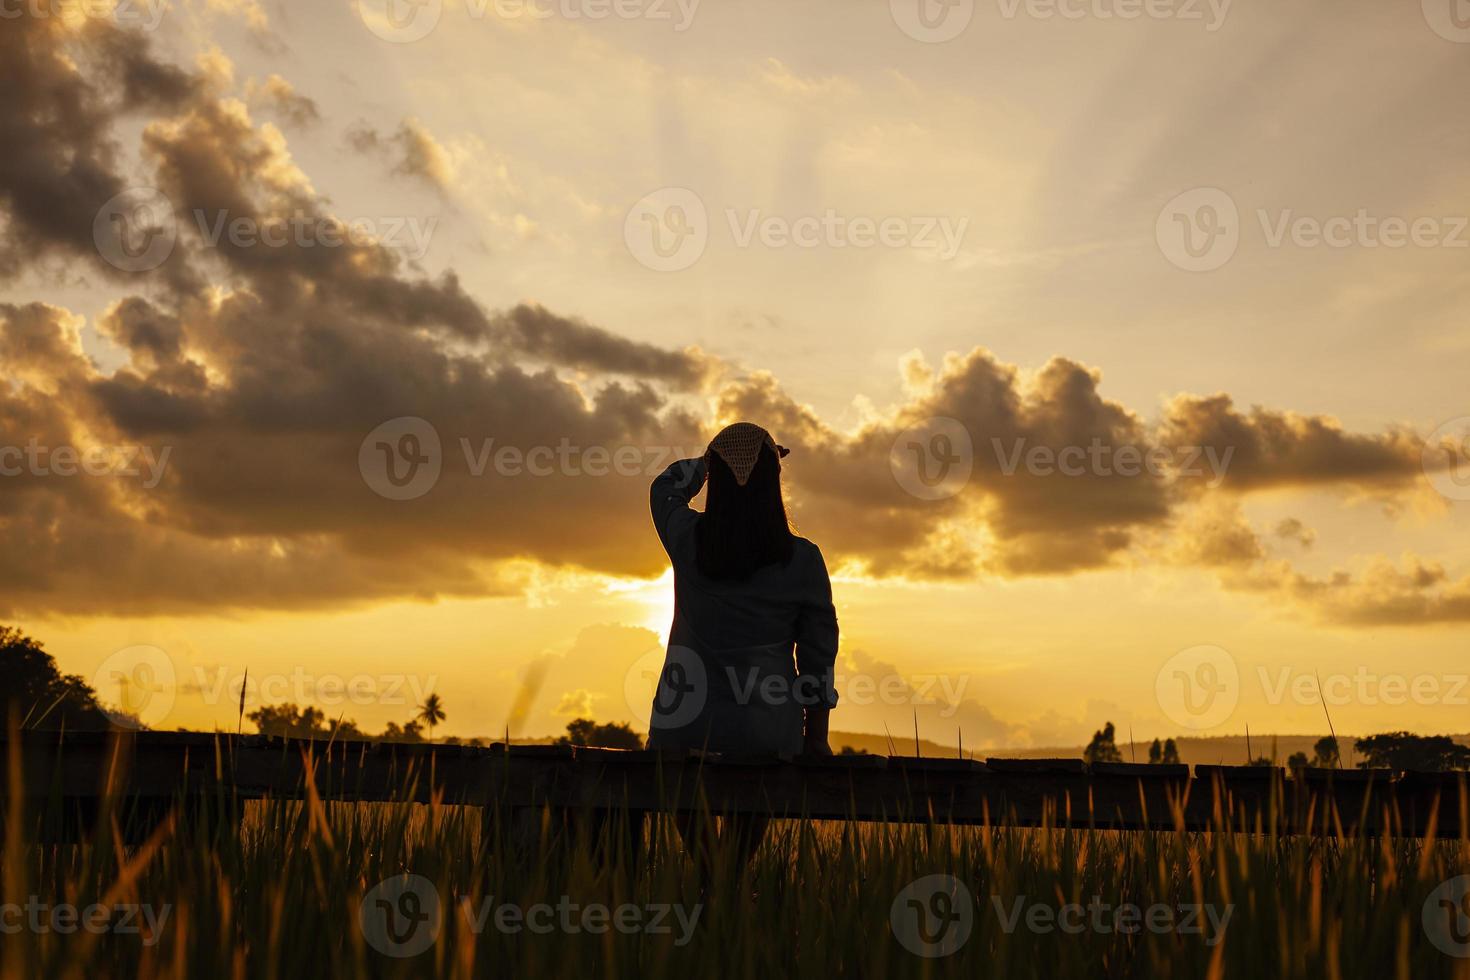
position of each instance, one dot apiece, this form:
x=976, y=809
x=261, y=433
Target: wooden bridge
x=64, y=781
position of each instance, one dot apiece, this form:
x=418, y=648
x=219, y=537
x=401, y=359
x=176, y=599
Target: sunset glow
x=335, y=351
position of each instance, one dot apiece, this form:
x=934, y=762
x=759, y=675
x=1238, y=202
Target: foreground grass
x=282, y=894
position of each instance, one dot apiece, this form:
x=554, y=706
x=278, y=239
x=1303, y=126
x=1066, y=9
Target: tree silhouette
x=42, y=696
x=297, y=722
x=309, y=722
x=1163, y=753
x=1404, y=750
x=614, y=735
x=410, y=732
x=1325, y=753
x=1102, y=748
x=431, y=712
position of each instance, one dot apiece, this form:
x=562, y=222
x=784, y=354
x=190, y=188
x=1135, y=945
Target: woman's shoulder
x=805, y=553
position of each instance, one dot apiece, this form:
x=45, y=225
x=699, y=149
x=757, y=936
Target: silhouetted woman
x=749, y=668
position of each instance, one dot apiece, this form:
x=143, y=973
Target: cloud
x=576, y=704
x=1215, y=534
x=1275, y=449
x=1292, y=529
x=948, y=707
x=261, y=370
x=249, y=11
x=875, y=693
x=1037, y=523
x=279, y=96
x=63, y=89
x=1412, y=592
x=536, y=332
x=412, y=149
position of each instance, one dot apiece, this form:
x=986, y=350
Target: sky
x=1118, y=345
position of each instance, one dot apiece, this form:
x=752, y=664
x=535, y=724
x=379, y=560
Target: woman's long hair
x=743, y=528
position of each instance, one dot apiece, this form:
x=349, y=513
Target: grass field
x=406, y=890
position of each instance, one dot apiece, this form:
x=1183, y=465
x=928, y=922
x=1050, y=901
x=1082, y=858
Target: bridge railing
x=153, y=772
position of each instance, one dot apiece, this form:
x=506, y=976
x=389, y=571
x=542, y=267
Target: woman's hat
x=739, y=445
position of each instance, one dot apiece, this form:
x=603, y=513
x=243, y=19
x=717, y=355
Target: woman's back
x=750, y=650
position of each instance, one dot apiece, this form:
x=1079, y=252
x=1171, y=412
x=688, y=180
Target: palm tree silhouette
x=431, y=712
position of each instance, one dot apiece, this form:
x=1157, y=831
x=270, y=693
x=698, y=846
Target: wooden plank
x=1140, y=770
x=1037, y=765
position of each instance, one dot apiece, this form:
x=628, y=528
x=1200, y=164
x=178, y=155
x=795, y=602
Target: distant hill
x=876, y=744
x=879, y=745
x=1219, y=750
x=1227, y=750
x=1223, y=749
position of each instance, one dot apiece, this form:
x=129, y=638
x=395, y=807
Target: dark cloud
x=219, y=170
x=261, y=500
x=262, y=387
x=62, y=89
x=153, y=337
x=535, y=331
x=1038, y=522
x=1274, y=449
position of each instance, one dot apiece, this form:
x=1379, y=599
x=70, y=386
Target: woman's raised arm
x=670, y=495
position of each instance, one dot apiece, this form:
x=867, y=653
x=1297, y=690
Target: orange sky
x=1121, y=358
